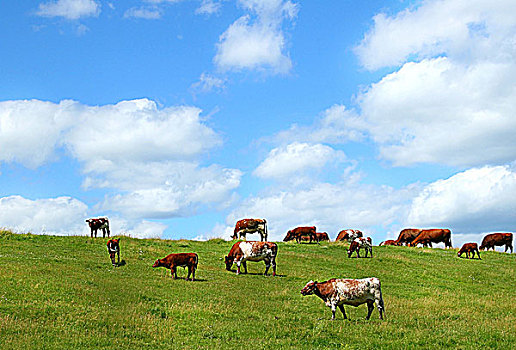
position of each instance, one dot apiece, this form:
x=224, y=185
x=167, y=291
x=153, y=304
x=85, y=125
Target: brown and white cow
x=435, y=235
x=99, y=224
x=113, y=247
x=319, y=236
x=407, y=236
x=348, y=235
x=298, y=232
x=359, y=243
x=497, y=239
x=172, y=261
x=244, y=251
x=389, y=242
x=339, y=292
x=245, y=226
x=469, y=248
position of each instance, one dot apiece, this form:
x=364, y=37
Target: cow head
x=229, y=262
x=157, y=263
x=289, y=236
x=352, y=247
x=309, y=288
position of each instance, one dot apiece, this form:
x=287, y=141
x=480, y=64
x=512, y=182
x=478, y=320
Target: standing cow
x=242, y=251
x=172, y=261
x=99, y=224
x=389, y=242
x=359, y=243
x=497, y=239
x=349, y=235
x=407, y=236
x=436, y=235
x=113, y=247
x=298, y=232
x=245, y=226
x=469, y=248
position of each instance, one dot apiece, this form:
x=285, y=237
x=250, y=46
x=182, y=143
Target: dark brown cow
x=359, y=243
x=245, y=226
x=435, y=235
x=253, y=251
x=389, y=242
x=497, y=239
x=407, y=236
x=298, y=232
x=469, y=248
x=99, y=224
x=319, y=236
x=348, y=235
x=114, y=248
x=172, y=261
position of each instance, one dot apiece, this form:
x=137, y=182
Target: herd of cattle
x=334, y=292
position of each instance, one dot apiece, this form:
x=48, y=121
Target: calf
x=298, y=232
x=244, y=226
x=114, y=248
x=407, y=236
x=497, y=239
x=242, y=251
x=359, y=243
x=339, y=292
x=172, y=261
x=389, y=242
x=436, y=235
x=348, y=235
x=99, y=224
x=469, y=248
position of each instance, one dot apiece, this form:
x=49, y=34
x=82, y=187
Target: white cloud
x=58, y=216
x=476, y=200
x=296, y=159
x=257, y=43
x=69, y=9
x=208, y=83
x=143, y=12
x=208, y=7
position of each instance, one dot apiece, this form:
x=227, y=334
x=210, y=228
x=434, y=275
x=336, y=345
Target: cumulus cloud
x=58, y=216
x=69, y=9
x=150, y=155
x=296, y=159
x=258, y=41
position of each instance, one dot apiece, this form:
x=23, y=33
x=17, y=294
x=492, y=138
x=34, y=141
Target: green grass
x=63, y=293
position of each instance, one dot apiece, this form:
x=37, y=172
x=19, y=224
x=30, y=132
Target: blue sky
x=176, y=118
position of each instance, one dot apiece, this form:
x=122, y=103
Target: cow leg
x=238, y=267
x=244, y=263
x=358, y=252
x=333, y=309
x=370, y=308
x=173, y=272
x=118, y=254
x=267, y=266
x=189, y=273
x=341, y=307
x=371, y=251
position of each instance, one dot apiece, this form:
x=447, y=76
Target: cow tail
x=380, y=299
x=196, y=260
x=266, y=230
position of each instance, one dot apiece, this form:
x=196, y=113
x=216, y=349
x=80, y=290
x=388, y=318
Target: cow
x=389, y=242
x=407, y=236
x=319, y=236
x=245, y=226
x=298, y=232
x=339, y=292
x=99, y=224
x=348, y=235
x=113, y=247
x=172, y=261
x=469, y=248
x=359, y=243
x=243, y=251
x=436, y=235
x=497, y=239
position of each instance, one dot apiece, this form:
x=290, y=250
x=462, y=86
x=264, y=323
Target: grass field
x=63, y=293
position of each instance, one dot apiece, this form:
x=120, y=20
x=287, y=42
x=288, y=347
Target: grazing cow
x=497, y=239
x=114, y=248
x=359, y=243
x=298, y=232
x=469, y=248
x=348, y=235
x=319, y=236
x=99, y=224
x=241, y=252
x=339, y=292
x=245, y=226
x=172, y=261
x=407, y=236
x=436, y=235
x=389, y=242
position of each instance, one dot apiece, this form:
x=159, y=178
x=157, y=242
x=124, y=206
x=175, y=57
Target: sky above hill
x=175, y=118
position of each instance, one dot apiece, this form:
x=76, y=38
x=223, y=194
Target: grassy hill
x=63, y=293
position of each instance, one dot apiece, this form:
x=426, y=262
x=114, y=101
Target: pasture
x=63, y=293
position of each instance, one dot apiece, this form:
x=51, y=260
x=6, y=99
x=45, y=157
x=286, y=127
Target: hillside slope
x=62, y=292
